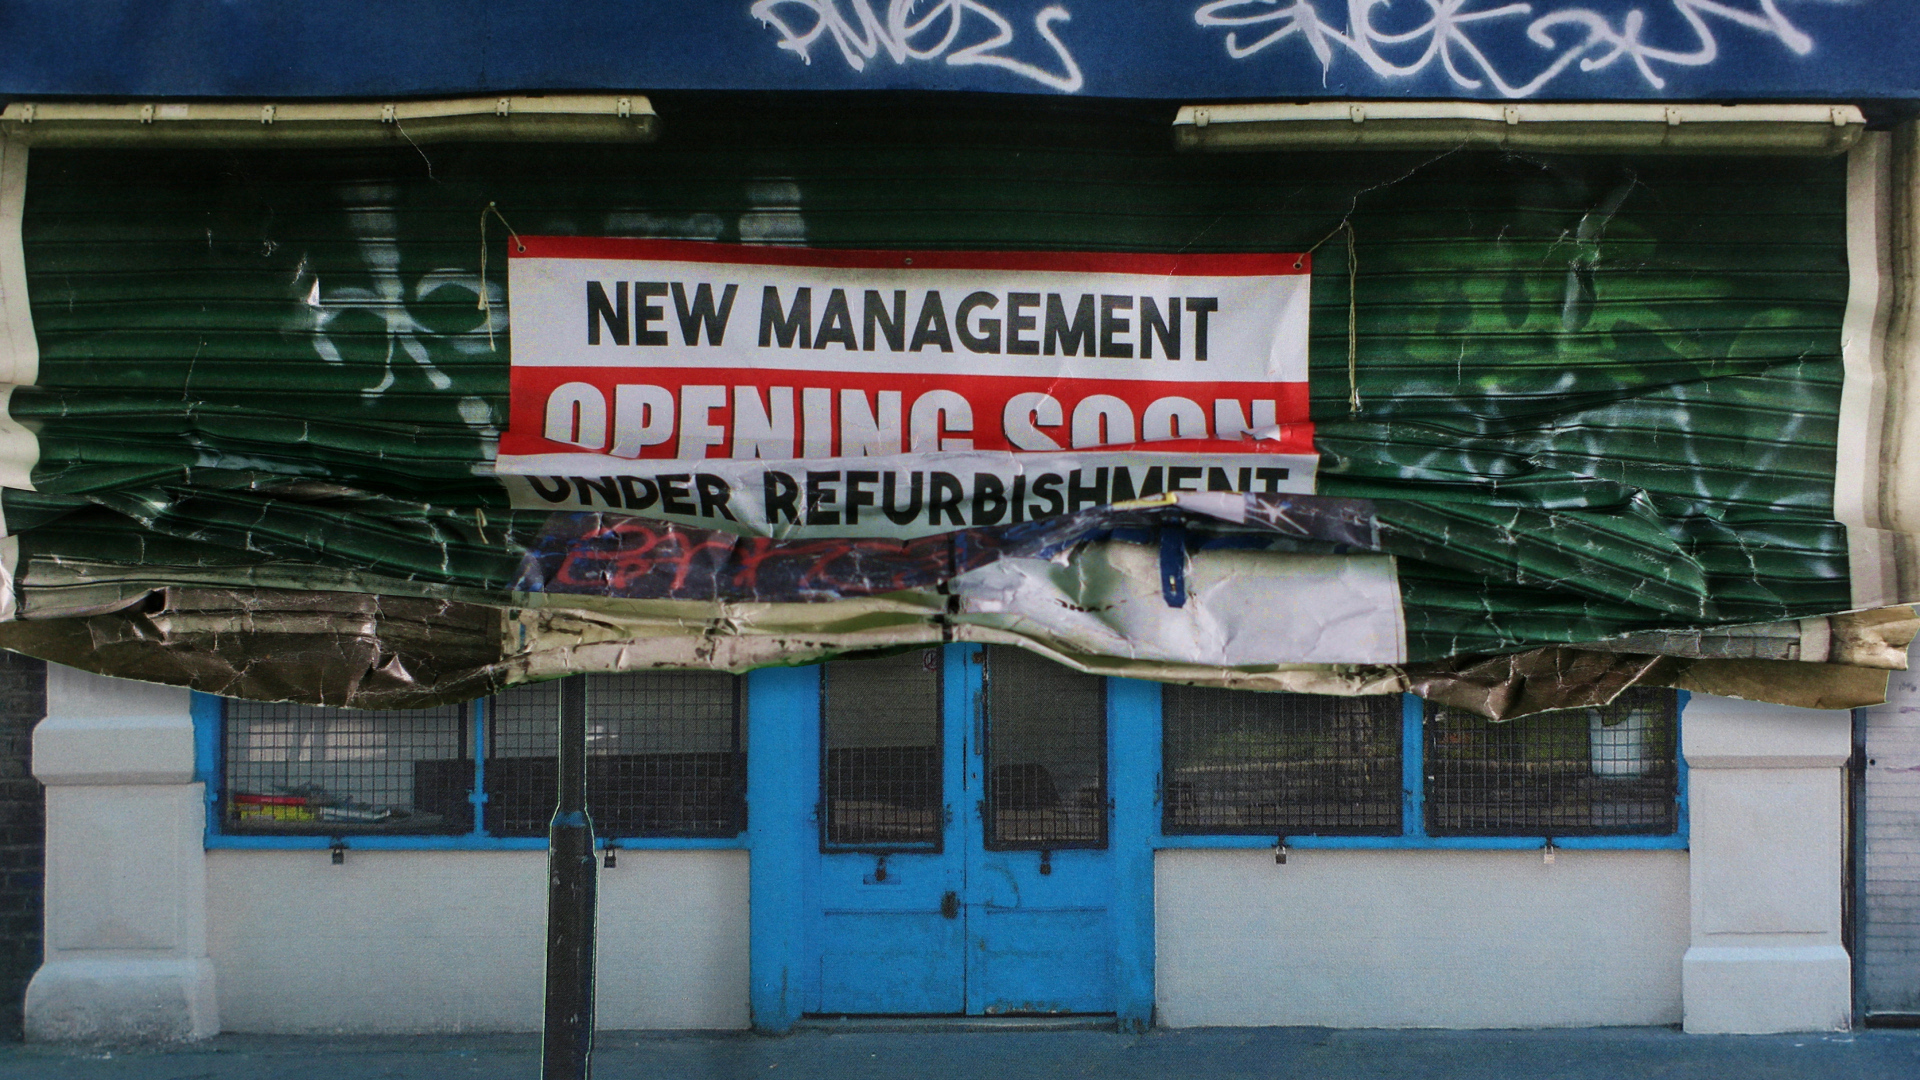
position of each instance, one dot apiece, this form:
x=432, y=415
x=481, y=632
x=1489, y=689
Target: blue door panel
x=1016, y=879
x=891, y=962
x=1022, y=961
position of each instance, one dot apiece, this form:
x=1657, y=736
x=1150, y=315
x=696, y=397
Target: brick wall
x=23, y=701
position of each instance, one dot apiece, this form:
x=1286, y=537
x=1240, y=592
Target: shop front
x=1021, y=553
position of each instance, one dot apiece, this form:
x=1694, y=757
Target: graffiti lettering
x=905, y=35
x=1455, y=36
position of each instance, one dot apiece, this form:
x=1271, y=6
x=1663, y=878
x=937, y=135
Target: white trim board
x=1856, y=495
x=1859, y=475
x=19, y=352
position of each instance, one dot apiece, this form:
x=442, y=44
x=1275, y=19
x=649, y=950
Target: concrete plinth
x=1766, y=791
x=145, y=1000
x=126, y=900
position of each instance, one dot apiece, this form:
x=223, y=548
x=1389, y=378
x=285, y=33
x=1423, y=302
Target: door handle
x=950, y=905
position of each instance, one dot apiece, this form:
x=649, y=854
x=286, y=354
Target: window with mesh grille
x=306, y=769
x=1046, y=754
x=880, y=777
x=1608, y=770
x=665, y=755
x=1237, y=761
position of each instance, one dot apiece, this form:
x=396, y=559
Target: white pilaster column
x=1766, y=793
x=126, y=901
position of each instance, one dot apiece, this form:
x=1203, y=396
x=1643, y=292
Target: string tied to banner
x=1353, y=312
x=486, y=304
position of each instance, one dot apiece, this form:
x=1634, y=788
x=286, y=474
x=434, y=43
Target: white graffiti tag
x=929, y=35
x=1455, y=32
x=381, y=296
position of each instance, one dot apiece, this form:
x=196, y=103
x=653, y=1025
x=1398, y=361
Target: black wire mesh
x=1574, y=772
x=664, y=755
x=1046, y=761
x=1237, y=761
x=880, y=753
x=308, y=769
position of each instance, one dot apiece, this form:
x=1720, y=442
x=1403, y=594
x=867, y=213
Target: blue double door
x=964, y=863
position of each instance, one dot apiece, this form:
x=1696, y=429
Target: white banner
x=897, y=393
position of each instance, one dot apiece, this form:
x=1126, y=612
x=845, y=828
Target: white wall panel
x=1449, y=939
x=454, y=941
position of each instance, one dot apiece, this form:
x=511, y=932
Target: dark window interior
x=308, y=769
x=880, y=762
x=1237, y=761
x=664, y=755
x=1046, y=762
x=1604, y=770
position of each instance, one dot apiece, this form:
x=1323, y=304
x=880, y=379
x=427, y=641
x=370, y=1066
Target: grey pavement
x=859, y=1054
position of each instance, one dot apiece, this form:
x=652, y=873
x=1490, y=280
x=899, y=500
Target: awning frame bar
x=623, y=117
x=1552, y=127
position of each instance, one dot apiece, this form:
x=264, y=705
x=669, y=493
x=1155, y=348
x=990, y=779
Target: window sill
x=1668, y=842
x=308, y=842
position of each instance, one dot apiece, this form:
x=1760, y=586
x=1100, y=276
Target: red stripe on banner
x=816, y=421
x=1231, y=264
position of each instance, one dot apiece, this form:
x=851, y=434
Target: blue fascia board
x=1217, y=50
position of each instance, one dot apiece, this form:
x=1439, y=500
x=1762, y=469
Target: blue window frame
x=666, y=769
x=1138, y=745
x=1460, y=782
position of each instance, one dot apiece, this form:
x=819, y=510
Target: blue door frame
x=793, y=883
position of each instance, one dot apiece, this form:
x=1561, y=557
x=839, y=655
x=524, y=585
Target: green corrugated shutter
x=1599, y=394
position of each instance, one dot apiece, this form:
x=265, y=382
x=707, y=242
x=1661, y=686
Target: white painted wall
x=1447, y=939
x=453, y=941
